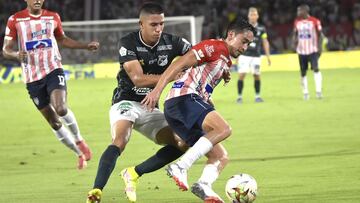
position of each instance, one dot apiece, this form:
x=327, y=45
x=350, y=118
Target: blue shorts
x=40, y=90
x=185, y=115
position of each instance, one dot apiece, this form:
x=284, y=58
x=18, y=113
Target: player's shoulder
x=50, y=13
x=314, y=19
x=19, y=15
x=130, y=36
x=168, y=36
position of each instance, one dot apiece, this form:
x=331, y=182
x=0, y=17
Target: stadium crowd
x=340, y=18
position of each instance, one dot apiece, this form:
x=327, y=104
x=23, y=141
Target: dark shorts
x=40, y=90
x=304, y=61
x=185, y=115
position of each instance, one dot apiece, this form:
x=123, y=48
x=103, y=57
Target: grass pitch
x=298, y=151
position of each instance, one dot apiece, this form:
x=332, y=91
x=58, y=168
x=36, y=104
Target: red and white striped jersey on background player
x=307, y=35
x=37, y=36
x=213, y=59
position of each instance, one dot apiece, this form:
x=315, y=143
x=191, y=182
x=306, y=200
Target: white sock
x=70, y=121
x=318, y=81
x=209, y=174
x=63, y=134
x=200, y=148
x=304, y=84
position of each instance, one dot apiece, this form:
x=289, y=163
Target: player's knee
x=226, y=131
x=55, y=124
x=120, y=142
x=316, y=70
x=61, y=110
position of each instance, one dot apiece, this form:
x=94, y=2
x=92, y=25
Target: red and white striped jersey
x=307, y=35
x=37, y=36
x=213, y=59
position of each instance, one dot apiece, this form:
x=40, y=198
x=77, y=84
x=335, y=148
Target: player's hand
x=93, y=46
x=226, y=76
x=151, y=99
x=22, y=56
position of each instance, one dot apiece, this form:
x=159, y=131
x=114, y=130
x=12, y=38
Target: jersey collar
x=142, y=41
x=35, y=16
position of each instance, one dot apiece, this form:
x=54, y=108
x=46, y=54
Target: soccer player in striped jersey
x=308, y=39
x=187, y=108
x=37, y=33
x=250, y=61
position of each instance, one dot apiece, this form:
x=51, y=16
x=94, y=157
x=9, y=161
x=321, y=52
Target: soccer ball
x=241, y=188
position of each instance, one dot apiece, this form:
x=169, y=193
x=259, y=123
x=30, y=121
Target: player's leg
x=122, y=116
x=56, y=87
x=215, y=127
x=314, y=58
x=255, y=69
x=39, y=94
x=154, y=126
x=217, y=160
x=243, y=68
x=303, y=61
x=216, y=130
x=63, y=134
x=121, y=131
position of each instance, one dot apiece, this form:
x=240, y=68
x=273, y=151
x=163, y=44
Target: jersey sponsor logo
x=164, y=47
x=141, y=49
x=163, y=60
x=124, y=107
x=38, y=44
x=131, y=53
x=152, y=61
x=38, y=33
x=209, y=49
x=122, y=51
x=141, y=91
x=178, y=84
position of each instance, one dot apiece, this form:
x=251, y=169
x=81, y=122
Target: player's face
x=301, y=12
x=34, y=5
x=239, y=43
x=151, y=27
x=253, y=17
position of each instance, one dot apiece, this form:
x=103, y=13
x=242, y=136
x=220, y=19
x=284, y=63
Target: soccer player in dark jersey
x=37, y=33
x=250, y=60
x=144, y=55
x=187, y=109
x=307, y=37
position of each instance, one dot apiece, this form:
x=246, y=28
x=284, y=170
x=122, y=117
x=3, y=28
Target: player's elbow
x=138, y=81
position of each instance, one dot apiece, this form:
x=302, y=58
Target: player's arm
x=10, y=53
x=67, y=42
x=266, y=46
x=184, y=62
x=137, y=76
x=73, y=44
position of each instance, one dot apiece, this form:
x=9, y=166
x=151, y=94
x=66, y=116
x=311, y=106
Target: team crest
x=163, y=60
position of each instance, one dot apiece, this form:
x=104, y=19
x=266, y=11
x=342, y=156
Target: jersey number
x=61, y=80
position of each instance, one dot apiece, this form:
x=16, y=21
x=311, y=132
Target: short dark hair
x=240, y=25
x=151, y=8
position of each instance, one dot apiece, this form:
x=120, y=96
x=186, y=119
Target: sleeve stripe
x=8, y=38
x=196, y=54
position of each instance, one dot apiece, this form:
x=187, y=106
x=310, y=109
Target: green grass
x=298, y=151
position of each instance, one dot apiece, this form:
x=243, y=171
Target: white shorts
x=145, y=122
x=248, y=64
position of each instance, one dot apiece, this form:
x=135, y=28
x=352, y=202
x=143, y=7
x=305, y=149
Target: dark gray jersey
x=153, y=60
x=255, y=47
